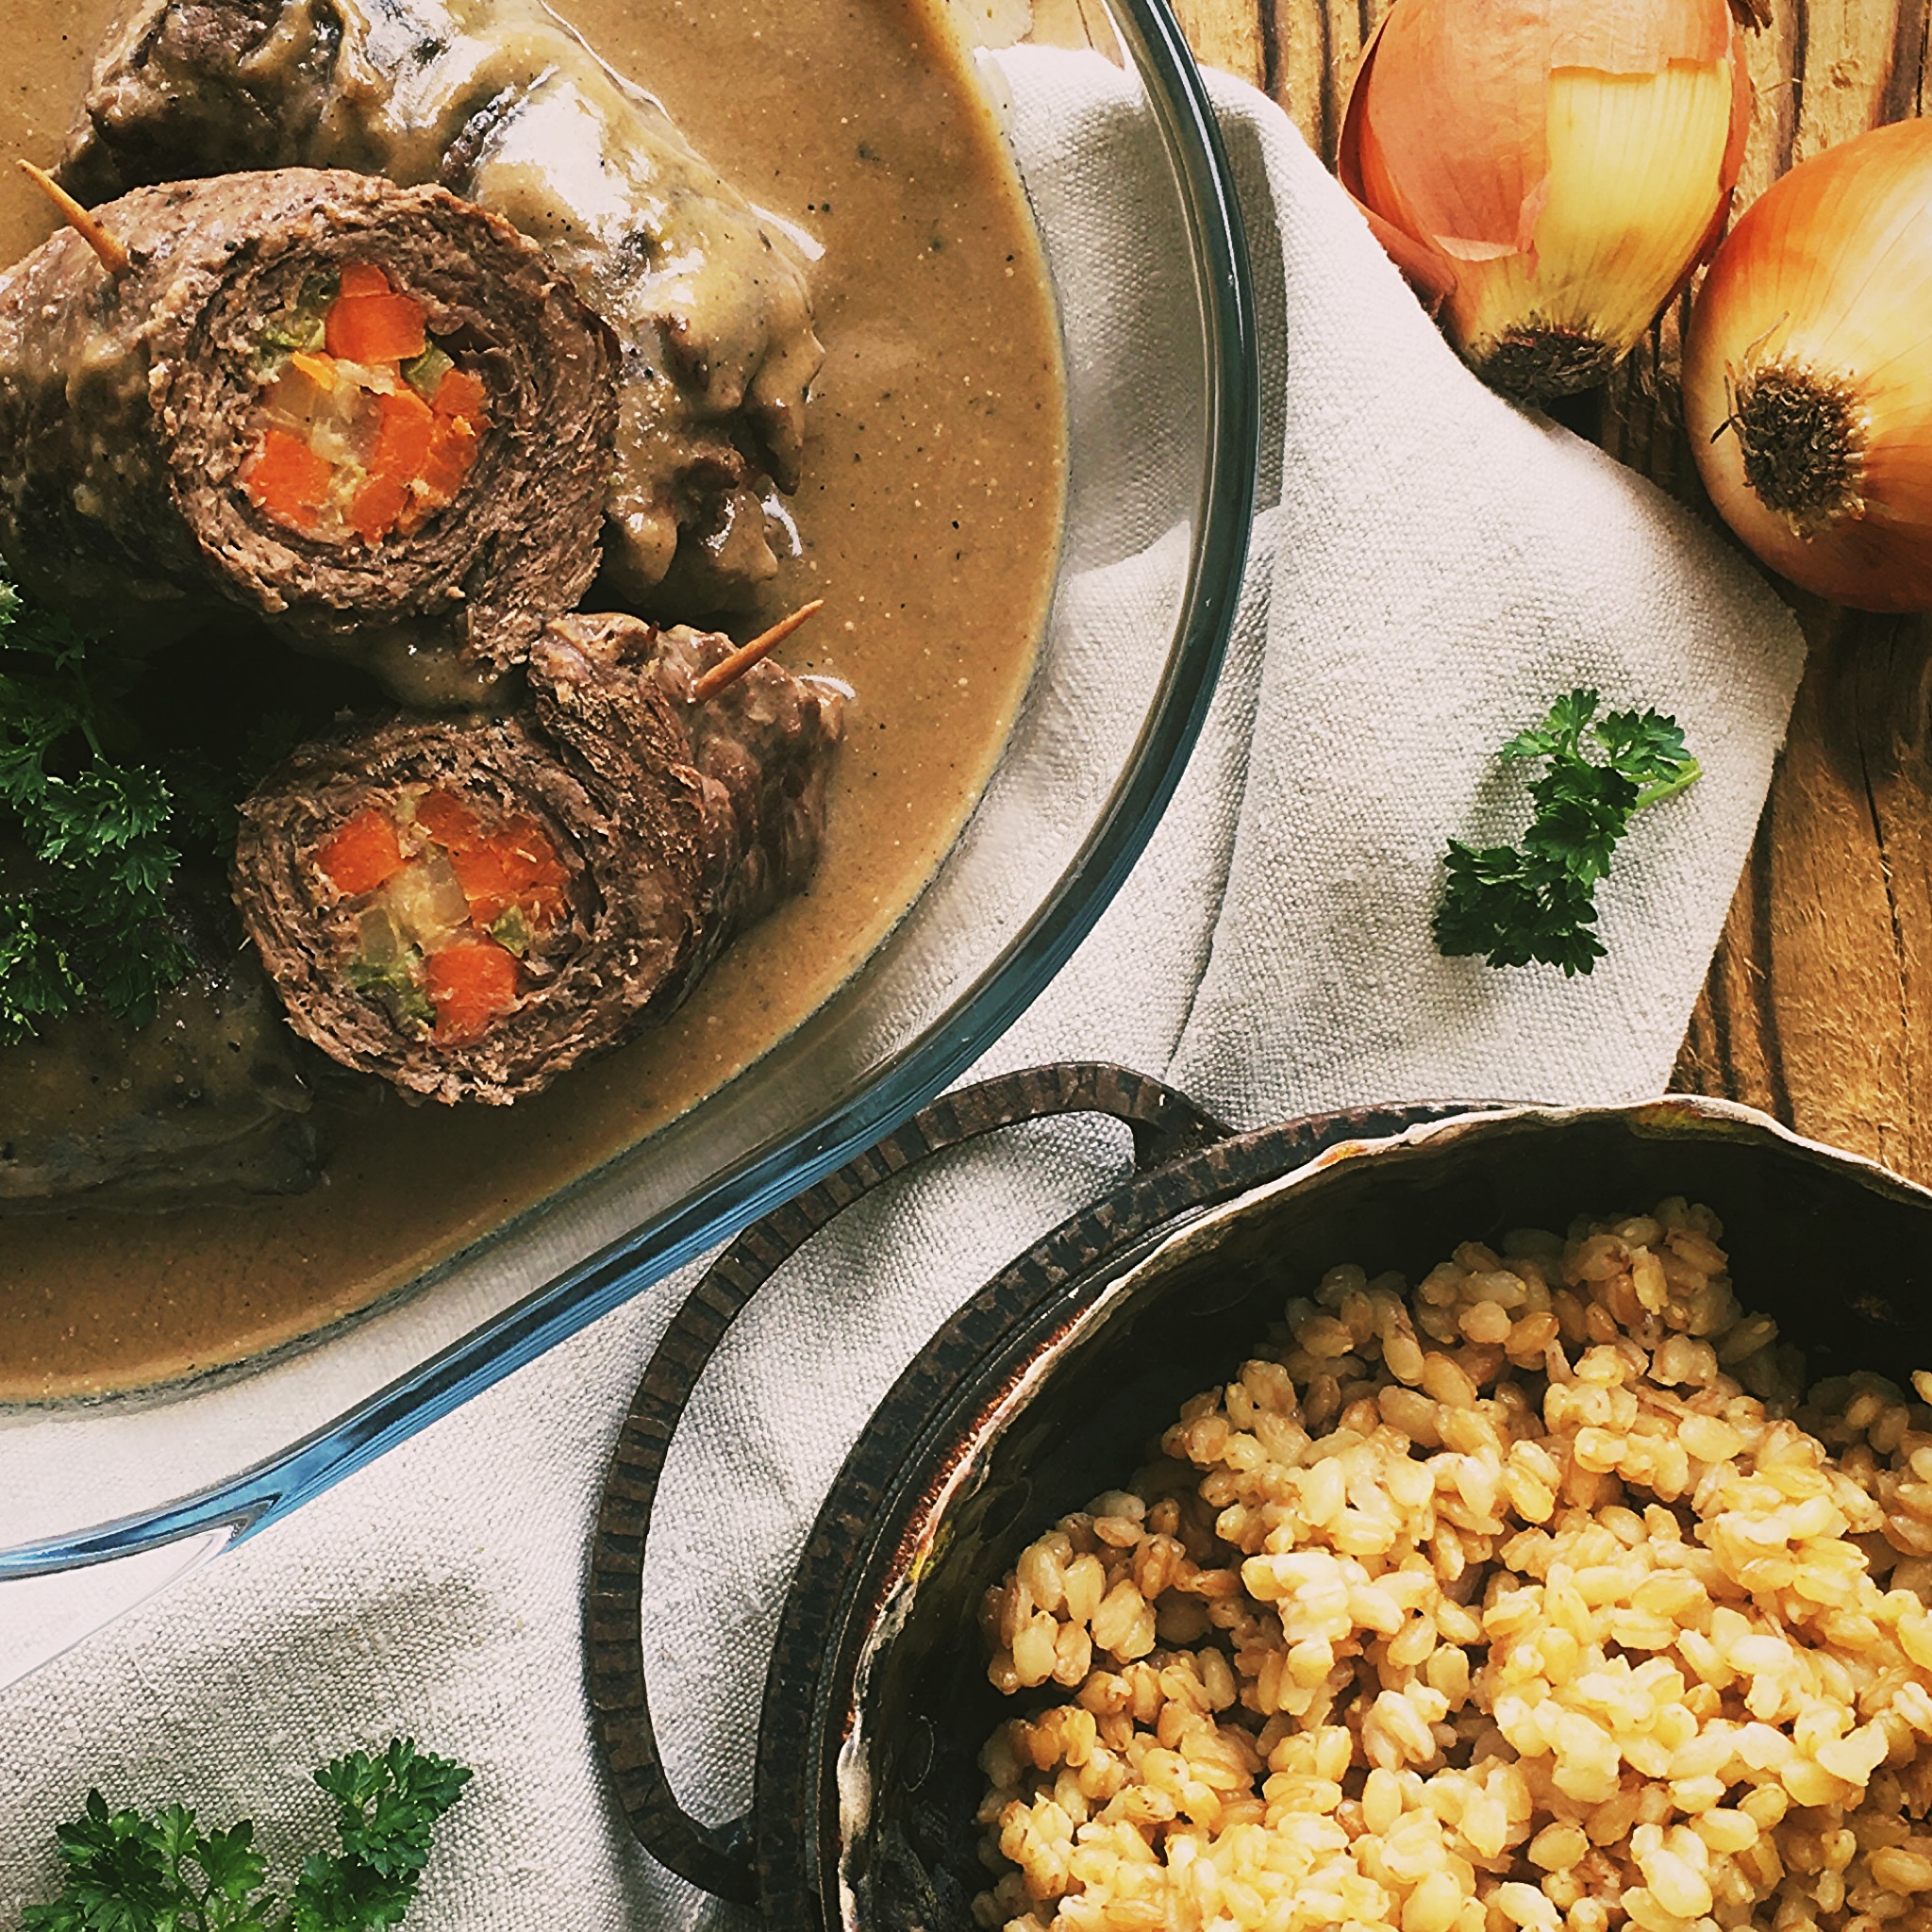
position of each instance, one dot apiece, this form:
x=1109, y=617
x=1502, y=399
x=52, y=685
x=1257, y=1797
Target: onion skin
x=1826, y=281
x=1547, y=172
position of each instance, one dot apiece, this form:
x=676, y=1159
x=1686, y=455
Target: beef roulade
x=502, y=102
x=373, y=415
x=469, y=909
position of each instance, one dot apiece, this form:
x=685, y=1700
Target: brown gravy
x=929, y=511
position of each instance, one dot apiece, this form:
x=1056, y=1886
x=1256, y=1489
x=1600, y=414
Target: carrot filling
x=364, y=423
x=447, y=900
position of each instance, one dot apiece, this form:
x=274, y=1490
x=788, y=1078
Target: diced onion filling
x=447, y=899
x=364, y=424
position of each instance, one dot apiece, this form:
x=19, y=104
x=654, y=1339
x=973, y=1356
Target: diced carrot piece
x=533, y=870
x=361, y=854
x=448, y=821
x=530, y=859
x=517, y=866
x=484, y=884
x=404, y=437
x=471, y=982
x=376, y=506
x=286, y=479
x=463, y=394
x=402, y=443
x=543, y=905
x=529, y=841
x=364, y=279
x=452, y=451
x=447, y=469
x=378, y=329
x=527, y=872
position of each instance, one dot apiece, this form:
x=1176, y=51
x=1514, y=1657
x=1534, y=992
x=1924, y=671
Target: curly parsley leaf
x=91, y=842
x=130, y=1872
x=386, y=1814
x=1536, y=903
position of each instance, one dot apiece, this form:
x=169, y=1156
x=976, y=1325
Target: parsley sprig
x=130, y=1872
x=102, y=794
x=92, y=839
x=1537, y=901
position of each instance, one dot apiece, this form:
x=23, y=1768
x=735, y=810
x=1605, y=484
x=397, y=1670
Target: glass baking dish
x=153, y=1483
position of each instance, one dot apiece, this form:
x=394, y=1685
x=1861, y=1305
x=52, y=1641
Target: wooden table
x=1817, y=1005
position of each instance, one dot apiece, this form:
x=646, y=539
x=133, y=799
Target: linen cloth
x=1429, y=570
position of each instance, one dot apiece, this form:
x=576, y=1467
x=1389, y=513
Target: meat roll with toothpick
x=470, y=909
x=503, y=102
x=374, y=415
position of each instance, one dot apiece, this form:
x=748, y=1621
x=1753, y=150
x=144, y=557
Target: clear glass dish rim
x=389, y=1415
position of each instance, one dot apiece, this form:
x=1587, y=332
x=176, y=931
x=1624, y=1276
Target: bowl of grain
x=1450, y=1520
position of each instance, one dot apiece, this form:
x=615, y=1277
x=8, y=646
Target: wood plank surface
x=1819, y=1003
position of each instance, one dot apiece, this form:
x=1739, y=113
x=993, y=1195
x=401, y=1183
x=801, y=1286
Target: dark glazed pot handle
x=1165, y=1125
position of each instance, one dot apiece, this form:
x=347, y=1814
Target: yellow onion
x=1547, y=171
x=1807, y=373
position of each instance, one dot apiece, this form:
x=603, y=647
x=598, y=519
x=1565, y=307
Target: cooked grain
x=1538, y=1598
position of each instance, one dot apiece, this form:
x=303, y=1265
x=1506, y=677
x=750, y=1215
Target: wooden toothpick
x=727, y=671
x=114, y=257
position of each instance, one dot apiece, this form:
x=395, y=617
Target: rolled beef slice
x=469, y=909
x=137, y=411
x=504, y=103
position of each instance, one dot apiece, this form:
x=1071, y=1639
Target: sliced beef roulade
x=373, y=415
x=502, y=102
x=469, y=909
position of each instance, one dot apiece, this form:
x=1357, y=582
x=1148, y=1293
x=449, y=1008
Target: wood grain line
x=1905, y=91
x=1271, y=51
x=1897, y=961
x=1767, y=1085
x=1340, y=74
x=1798, y=49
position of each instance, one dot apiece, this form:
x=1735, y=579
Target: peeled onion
x=1807, y=373
x=1547, y=171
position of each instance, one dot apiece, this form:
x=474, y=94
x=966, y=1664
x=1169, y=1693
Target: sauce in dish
x=926, y=513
